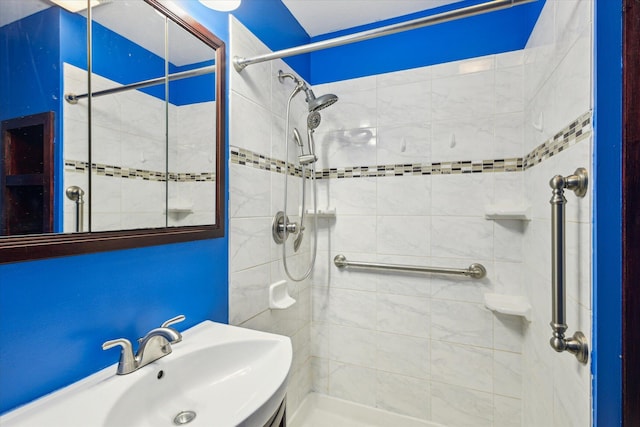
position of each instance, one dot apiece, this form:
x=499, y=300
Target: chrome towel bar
x=475, y=271
x=577, y=344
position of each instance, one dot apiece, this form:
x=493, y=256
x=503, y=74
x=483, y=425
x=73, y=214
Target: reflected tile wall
x=128, y=134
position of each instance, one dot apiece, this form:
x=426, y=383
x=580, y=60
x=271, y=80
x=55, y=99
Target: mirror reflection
x=133, y=146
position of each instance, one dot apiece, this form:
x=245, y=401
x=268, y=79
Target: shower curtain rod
x=240, y=63
x=73, y=99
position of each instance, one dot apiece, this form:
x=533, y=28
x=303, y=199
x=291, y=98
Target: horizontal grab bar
x=475, y=270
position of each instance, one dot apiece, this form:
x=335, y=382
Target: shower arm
x=577, y=344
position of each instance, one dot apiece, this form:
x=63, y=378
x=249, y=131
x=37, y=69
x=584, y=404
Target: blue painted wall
x=24, y=88
x=485, y=34
x=607, y=227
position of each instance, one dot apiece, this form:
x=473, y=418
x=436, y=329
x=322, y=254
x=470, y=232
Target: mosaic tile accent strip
x=130, y=173
x=576, y=131
x=240, y=156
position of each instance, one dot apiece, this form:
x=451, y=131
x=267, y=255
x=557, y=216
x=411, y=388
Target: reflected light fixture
x=221, y=5
x=77, y=5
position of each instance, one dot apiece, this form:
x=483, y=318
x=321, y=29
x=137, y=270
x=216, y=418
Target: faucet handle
x=179, y=318
x=127, y=362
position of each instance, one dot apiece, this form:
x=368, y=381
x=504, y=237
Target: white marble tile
x=507, y=374
x=462, y=365
x=465, y=66
x=353, y=383
x=320, y=375
x=458, y=406
x=249, y=192
x=352, y=345
x=136, y=220
x=508, y=278
x=403, y=354
x=465, y=138
x=320, y=339
x=509, y=89
x=345, y=147
x=507, y=235
x=249, y=242
x=461, y=322
x=351, y=196
x=463, y=96
x=403, y=315
x=507, y=412
x=573, y=20
x=352, y=308
x=572, y=84
x=508, y=334
x=257, y=135
x=412, y=75
x=462, y=237
x=403, y=235
x=107, y=194
x=76, y=140
x=142, y=196
x=509, y=59
x=462, y=194
x=404, y=144
x=403, y=395
x=248, y=293
x=404, y=195
x=354, y=234
x=367, y=84
x=404, y=104
x=509, y=135
x=320, y=304
x=578, y=262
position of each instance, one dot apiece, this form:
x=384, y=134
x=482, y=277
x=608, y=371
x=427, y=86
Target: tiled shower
x=412, y=161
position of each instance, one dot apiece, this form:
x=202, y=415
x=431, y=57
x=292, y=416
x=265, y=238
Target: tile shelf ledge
x=328, y=212
x=498, y=212
x=508, y=304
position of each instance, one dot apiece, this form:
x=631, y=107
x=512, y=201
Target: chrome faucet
x=154, y=345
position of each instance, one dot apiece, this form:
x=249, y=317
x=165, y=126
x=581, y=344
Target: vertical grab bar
x=577, y=344
x=75, y=193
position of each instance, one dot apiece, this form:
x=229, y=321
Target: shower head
x=313, y=120
x=298, y=241
x=316, y=104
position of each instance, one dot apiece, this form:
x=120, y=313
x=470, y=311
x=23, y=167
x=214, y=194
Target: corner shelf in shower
x=498, y=212
x=508, y=304
x=322, y=213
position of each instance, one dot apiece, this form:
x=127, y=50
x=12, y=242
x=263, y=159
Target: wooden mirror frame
x=25, y=248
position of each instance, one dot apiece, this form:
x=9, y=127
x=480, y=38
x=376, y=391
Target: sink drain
x=184, y=417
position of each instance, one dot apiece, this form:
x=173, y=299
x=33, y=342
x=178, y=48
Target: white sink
x=227, y=376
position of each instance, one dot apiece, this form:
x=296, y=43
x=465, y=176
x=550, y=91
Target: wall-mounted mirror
x=113, y=146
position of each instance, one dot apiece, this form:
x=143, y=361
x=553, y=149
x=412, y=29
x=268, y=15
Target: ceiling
x=316, y=17
x=325, y=16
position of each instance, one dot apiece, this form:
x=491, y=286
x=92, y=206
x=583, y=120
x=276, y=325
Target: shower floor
x=319, y=410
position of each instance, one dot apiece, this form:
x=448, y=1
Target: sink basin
x=218, y=375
